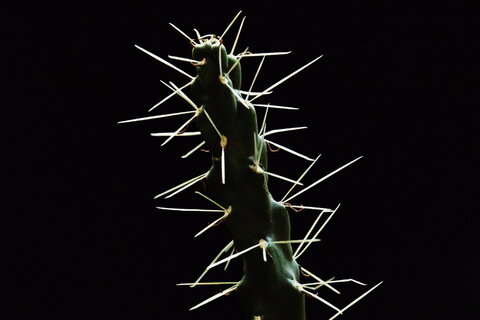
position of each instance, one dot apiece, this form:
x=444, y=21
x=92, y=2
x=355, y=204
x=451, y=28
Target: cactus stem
x=238, y=35
x=156, y=117
x=182, y=33
x=183, y=185
x=356, y=300
x=322, y=179
x=289, y=150
x=169, y=96
x=165, y=62
x=289, y=76
x=225, y=249
x=273, y=106
x=186, y=155
x=218, y=295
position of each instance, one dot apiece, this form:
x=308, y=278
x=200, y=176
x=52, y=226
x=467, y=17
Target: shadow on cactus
x=274, y=285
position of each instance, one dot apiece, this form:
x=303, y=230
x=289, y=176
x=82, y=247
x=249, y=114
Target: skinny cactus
x=236, y=185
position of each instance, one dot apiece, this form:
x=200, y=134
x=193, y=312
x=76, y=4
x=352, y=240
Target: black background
x=87, y=241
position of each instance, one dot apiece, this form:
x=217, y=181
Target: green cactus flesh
x=268, y=287
x=237, y=182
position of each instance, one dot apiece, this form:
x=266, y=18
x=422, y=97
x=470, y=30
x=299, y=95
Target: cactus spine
x=237, y=184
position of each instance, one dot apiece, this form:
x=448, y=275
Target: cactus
x=236, y=185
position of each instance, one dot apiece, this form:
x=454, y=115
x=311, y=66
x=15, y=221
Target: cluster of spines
x=312, y=234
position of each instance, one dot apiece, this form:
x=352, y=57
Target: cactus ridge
x=236, y=185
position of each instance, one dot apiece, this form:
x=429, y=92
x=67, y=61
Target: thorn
x=301, y=177
x=165, y=62
x=225, y=249
x=255, y=77
x=289, y=76
x=273, y=106
x=218, y=295
x=169, y=96
x=231, y=23
x=186, y=183
x=321, y=179
x=297, y=255
x=238, y=35
x=283, y=130
x=182, y=33
x=355, y=301
x=289, y=150
x=156, y=117
x=186, y=155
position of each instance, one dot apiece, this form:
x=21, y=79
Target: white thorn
x=181, y=32
x=283, y=178
x=179, y=91
x=179, y=129
x=225, y=249
x=231, y=23
x=186, y=155
x=283, y=130
x=320, y=299
x=156, y=117
x=318, y=232
x=289, y=150
x=206, y=283
x=273, y=106
x=169, y=96
x=321, y=179
x=197, y=178
x=267, y=54
x=289, y=76
x=355, y=301
x=212, y=123
x=165, y=62
x=255, y=77
x=210, y=225
x=301, y=177
x=235, y=93
x=218, y=295
x=189, y=209
x=238, y=35
x=308, y=233
x=183, y=134
x=233, y=256
x=320, y=280
x=211, y=200
x=301, y=207
x=184, y=59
